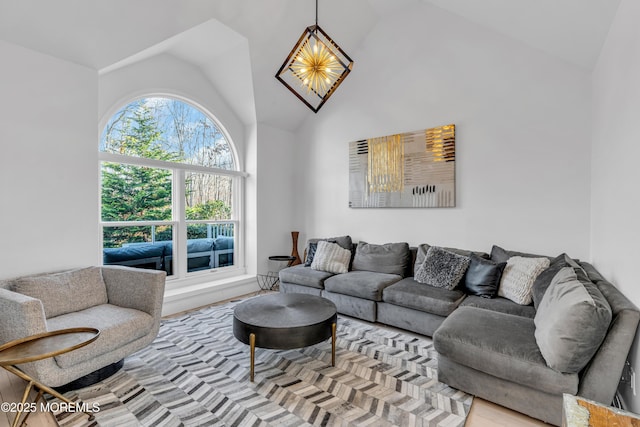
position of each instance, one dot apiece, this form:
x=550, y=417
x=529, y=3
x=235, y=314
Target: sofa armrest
x=20, y=316
x=135, y=288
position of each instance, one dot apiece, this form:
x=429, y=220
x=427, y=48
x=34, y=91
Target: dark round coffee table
x=285, y=321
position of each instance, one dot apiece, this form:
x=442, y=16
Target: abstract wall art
x=407, y=170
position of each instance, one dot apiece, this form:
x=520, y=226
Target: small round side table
x=38, y=347
x=269, y=281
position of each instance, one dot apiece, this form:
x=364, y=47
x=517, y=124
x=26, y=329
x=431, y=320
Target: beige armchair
x=124, y=303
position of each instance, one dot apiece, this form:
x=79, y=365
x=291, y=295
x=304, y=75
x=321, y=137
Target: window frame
x=179, y=222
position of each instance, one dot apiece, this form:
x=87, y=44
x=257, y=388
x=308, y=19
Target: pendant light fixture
x=315, y=67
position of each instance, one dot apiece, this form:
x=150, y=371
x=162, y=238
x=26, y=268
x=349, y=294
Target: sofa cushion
x=483, y=276
x=118, y=326
x=418, y=296
x=543, y=281
x=499, y=254
x=518, y=277
x=330, y=257
x=362, y=284
x=423, y=248
x=442, y=268
x=501, y=345
x=305, y=276
x=571, y=321
x=390, y=258
x=499, y=304
x=65, y=292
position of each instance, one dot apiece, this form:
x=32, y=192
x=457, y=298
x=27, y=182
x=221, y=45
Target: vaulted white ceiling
x=106, y=34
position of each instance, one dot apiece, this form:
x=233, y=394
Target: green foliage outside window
x=139, y=193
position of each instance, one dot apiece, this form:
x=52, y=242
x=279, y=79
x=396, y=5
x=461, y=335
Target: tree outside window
x=167, y=170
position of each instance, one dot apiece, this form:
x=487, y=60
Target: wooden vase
x=294, y=250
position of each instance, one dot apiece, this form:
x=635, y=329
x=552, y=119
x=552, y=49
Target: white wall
x=615, y=205
x=522, y=142
x=48, y=175
x=276, y=200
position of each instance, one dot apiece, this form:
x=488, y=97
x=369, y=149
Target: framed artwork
x=407, y=170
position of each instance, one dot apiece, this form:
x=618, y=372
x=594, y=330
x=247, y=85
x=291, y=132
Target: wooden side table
x=580, y=412
x=38, y=347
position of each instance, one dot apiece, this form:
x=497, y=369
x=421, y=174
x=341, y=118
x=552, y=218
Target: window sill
x=185, y=296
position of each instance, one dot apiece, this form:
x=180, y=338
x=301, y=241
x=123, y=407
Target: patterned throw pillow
x=518, y=278
x=332, y=258
x=441, y=268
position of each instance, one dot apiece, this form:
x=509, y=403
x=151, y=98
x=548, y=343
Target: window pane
x=135, y=193
x=167, y=129
x=139, y=246
x=208, y=196
x=210, y=246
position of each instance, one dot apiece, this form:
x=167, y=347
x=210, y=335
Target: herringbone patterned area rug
x=197, y=374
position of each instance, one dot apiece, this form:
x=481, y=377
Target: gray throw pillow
x=391, y=258
x=571, y=321
x=442, y=268
x=543, y=281
x=65, y=292
x=424, y=247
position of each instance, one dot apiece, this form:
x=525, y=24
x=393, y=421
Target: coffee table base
x=252, y=350
x=31, y=383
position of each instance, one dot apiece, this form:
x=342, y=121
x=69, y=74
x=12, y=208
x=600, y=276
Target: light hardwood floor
x=483, y=413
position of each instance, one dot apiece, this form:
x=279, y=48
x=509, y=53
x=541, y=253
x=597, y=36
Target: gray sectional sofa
x=489, y=347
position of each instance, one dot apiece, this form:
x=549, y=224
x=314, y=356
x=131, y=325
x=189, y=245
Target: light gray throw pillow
x=331, y=257
x=391, y=258
x=65, y=292
x=442, y=268
x=518, y=277
x=571, y=322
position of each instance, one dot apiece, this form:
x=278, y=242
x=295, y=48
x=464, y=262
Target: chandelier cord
x=316, y=13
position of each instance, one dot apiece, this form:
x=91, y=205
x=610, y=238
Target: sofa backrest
x=599, y=379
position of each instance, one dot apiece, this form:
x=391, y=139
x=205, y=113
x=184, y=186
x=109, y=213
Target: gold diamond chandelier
x=315, y=67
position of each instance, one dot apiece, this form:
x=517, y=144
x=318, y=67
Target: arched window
x=170, y=189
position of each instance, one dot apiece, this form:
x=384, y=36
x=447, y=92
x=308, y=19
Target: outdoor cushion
x=500, y=304
x=65, y=292
x=305, y=276
x=390, y=258
x=362, y=284
x=132, y=252
x=571, y=321
x=222, y=243
x=501, y=345
x=118, y=326
x=418, y=296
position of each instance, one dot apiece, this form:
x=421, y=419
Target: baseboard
x=195, y=296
